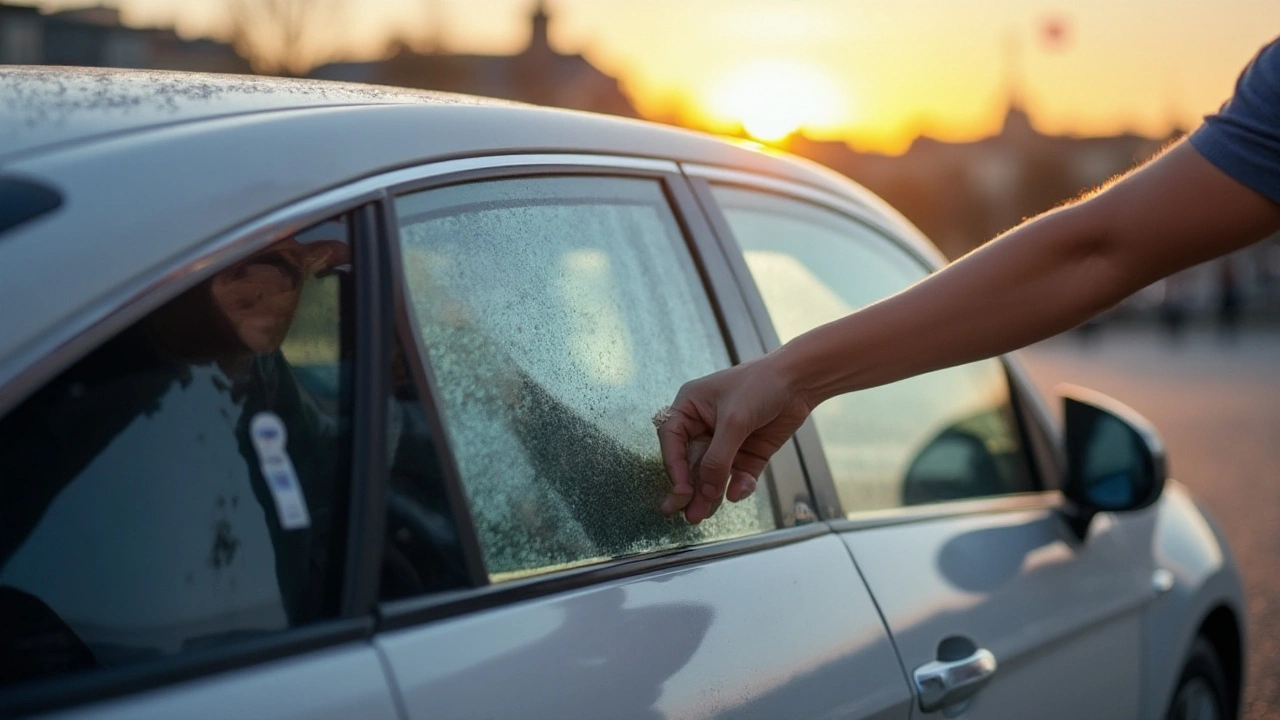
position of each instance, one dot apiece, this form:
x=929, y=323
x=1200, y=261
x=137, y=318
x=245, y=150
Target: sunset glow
x=774, y=99
x=877, y=75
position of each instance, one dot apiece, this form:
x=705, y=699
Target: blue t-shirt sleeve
x=1243, y=138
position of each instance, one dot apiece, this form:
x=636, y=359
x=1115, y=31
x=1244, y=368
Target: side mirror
x=1115, y=457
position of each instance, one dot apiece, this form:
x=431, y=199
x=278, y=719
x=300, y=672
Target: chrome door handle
x=947, y=682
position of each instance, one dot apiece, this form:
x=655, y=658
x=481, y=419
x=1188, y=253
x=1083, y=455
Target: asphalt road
x=1217, y=403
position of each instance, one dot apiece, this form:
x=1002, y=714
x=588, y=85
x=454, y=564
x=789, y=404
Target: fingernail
x=744, y=491
x=710, y=491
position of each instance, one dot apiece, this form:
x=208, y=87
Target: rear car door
x=174, y=501
x=551, y=305
x=937, y=492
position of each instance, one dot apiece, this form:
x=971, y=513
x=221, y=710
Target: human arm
x=1044, y=277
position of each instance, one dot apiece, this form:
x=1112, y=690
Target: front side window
x=558, y=314
x=946, y=435
x=183, y=485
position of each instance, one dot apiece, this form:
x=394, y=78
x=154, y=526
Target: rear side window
x=559, y=313
x=946, y=435
x=184, y=484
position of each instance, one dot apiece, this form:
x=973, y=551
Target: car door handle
x=946, y=682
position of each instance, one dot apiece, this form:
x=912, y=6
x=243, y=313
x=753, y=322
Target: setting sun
x=774, y=99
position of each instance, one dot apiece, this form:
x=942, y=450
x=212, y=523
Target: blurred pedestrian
x=1173, y=307
x=1214, y=192
x=1229, y=300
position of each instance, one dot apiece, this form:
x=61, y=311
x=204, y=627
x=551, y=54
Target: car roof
x=45, y=109
x=153, y=166
x=47, y=106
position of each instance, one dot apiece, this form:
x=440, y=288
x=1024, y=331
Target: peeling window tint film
x=559, y=313
x=183, y=485
x=946, y=435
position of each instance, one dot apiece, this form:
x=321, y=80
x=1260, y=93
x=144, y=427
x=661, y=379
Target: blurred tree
x=284, y=37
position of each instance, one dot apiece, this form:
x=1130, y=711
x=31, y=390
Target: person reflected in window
x=236, y=321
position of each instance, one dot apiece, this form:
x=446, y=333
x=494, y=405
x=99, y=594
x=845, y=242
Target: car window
x=183, y=485
x=946, y=435
x=423, y=549
x=559, y=314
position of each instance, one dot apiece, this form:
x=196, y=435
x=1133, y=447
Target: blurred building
x=537, y=74
x=962, y=194
x=95, y=37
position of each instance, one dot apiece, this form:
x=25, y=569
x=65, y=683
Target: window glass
x=423, y=551
x=182, y=485
x=945, y=435
x=559, y=314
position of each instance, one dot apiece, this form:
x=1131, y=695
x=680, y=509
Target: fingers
x=680, y=455
x=674, y=444
x=713, y=475
x=741, y=485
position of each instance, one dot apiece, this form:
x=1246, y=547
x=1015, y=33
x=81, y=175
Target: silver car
x=334, y=401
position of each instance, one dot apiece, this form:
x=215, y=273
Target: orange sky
x=885, y=71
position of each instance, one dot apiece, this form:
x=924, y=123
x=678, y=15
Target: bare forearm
x=1039, y=279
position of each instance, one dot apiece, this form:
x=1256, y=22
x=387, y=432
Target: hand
x=722, y=431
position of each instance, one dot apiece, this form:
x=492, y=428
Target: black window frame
x=355, y=622
x=1034, y=431
x=742, y=341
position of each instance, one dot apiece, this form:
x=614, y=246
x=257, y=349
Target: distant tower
x=534, y=74
x=539, y=39
x=1016, y=121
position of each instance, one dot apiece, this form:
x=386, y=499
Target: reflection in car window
x=559, y=314
x=182, y=485
x=947, y=435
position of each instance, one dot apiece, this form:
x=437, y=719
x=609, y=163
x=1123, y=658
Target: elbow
x=1104, y=264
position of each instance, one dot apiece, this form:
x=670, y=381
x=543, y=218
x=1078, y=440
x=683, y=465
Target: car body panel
x=1178, y=537
x=783, y=632
x=1062, y=618
x=333, y=684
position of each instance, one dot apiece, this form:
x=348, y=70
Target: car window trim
x=415, y=611
x=1014, y=502
x=371, y=380
x=732, y=319
x=1039, y=463
x=899, y=231
x=1043, y=435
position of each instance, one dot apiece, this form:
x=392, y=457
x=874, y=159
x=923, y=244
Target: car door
x=551, y=305
x=174, y=501
x=941, y=500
